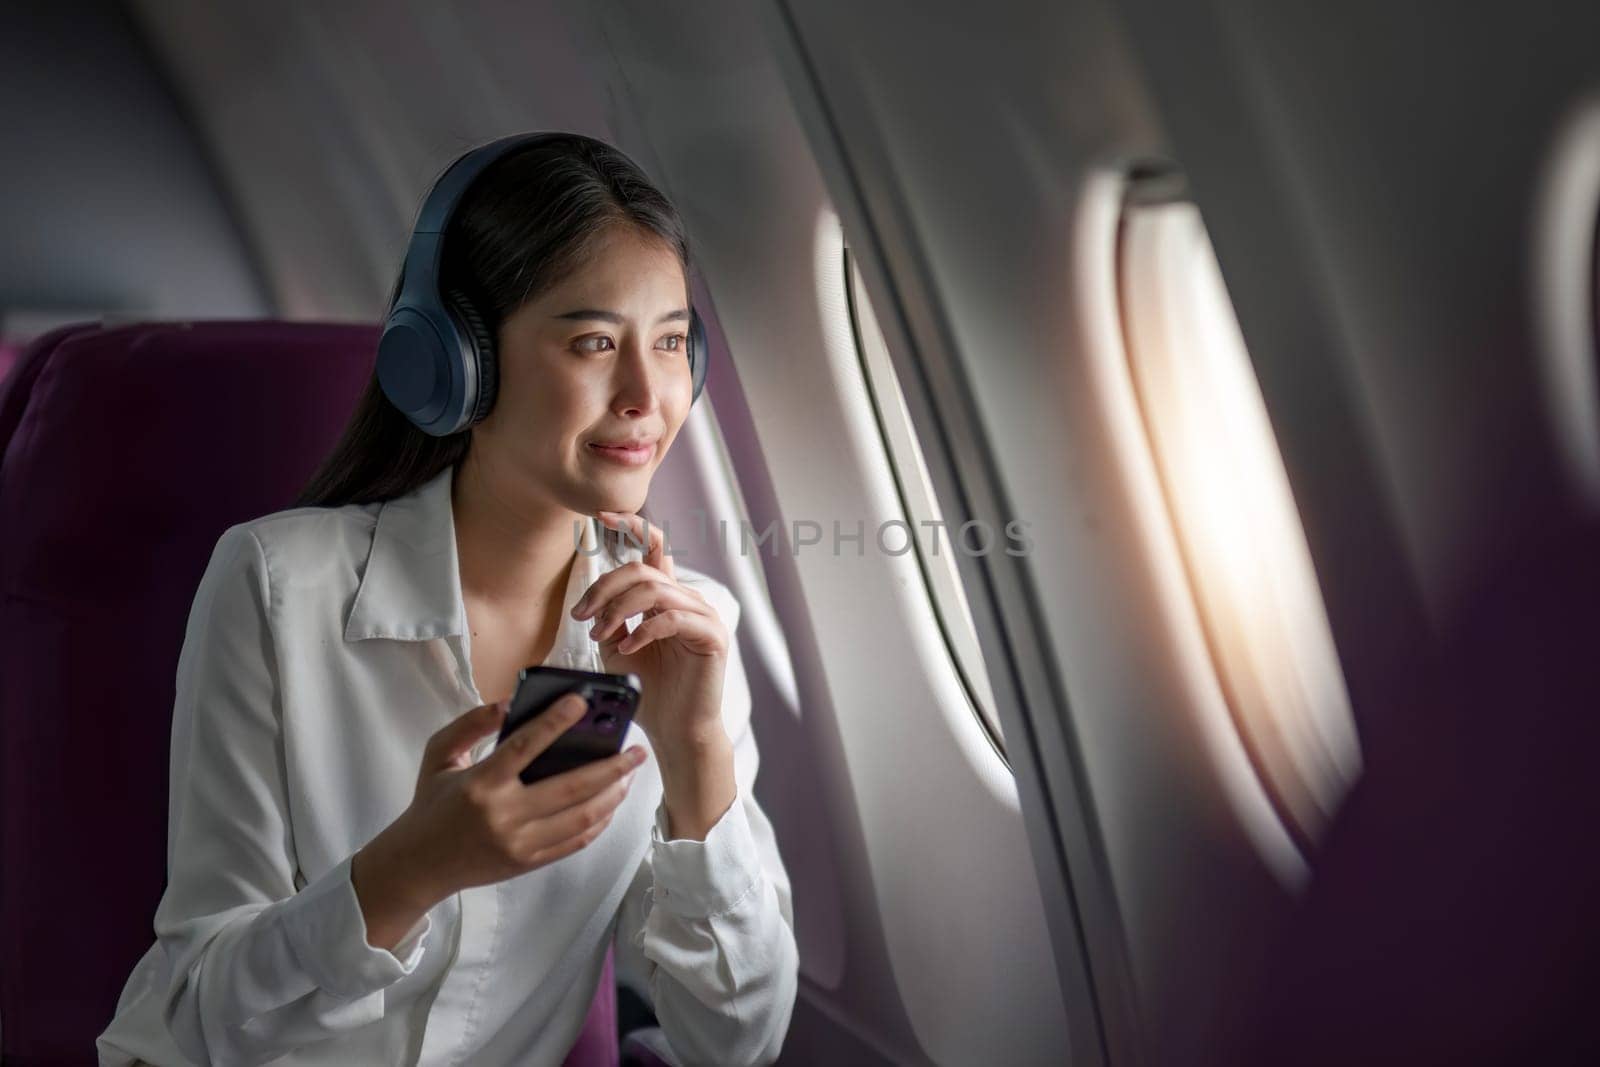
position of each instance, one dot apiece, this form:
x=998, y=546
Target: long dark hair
x=527, y=220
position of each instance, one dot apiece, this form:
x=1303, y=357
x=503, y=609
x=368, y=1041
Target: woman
x=356, y=873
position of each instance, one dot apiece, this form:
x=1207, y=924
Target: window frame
x=987, y=713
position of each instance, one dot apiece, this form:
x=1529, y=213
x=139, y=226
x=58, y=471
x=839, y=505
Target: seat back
x=124, y=455
x=9, y=354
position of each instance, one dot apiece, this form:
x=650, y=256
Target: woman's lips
x=626, y=455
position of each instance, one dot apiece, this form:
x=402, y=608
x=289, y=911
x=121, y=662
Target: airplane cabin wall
x=988, y=165
x=330, y=121
x=110, y=200
x=1388, y=269
x=1382, y=172
x=1403, y=200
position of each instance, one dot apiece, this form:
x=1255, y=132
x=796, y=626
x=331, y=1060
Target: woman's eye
x=674, y=342
x=593, y=344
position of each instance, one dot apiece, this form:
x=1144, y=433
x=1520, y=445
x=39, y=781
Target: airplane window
x=1229, y=500
x=932, y=544
x=1565, y=246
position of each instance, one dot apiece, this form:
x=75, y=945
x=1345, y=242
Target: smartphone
x=612, y=700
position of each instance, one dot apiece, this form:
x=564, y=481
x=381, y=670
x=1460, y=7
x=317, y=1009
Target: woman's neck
x=515, y=549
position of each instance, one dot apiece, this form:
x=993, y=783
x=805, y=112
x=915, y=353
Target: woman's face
x=594, y=378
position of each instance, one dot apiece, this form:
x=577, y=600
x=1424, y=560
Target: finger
x=571, y=788
x=641, y=598
x=701, y=634
x=608, y=644
x=561, y=850
x=610, y=583
x=575, y=820
x=642, y=532
x=532, y=738
x=448, y=746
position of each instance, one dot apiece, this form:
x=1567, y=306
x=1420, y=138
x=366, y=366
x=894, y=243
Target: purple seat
x=124, y=454
x=9, y=354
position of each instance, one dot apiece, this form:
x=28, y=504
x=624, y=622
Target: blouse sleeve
x=253, y=968
x=709, y=923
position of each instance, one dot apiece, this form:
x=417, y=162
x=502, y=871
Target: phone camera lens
x=605, y=721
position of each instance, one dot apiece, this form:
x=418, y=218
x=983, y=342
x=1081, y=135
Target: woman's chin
x=609, y=490
x=601, y=497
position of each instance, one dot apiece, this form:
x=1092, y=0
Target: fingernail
x=503, y=707
x=636, y=756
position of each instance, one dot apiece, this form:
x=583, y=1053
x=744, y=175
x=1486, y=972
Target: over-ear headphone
x=436, y=359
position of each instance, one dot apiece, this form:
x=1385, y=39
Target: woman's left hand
x=679, y=650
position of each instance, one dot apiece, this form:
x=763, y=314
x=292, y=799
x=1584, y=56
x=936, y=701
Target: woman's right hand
x=477, y=824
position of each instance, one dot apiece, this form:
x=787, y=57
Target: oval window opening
x=1229, y=500
x=933, y=545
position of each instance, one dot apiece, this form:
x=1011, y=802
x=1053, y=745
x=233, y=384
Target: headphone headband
x=424, y=257
x=440, y=206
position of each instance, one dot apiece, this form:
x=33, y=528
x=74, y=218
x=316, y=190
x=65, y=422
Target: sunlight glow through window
x=1230, y=502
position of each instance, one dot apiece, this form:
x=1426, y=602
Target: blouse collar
x=411, y=589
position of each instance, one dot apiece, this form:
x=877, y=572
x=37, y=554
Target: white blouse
x=323, y=648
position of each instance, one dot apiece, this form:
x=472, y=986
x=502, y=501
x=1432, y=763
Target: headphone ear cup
x=481, y=337
x=699, y=353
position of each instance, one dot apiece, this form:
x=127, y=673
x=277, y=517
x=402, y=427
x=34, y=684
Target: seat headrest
x=116, y=440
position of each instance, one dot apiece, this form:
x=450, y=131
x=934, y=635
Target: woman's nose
x=635, y=385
